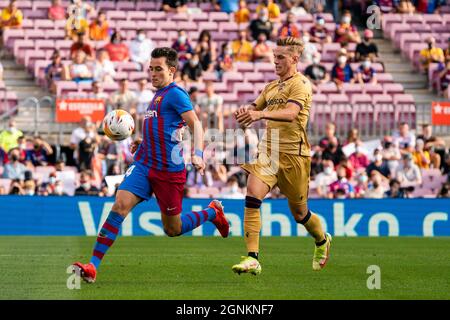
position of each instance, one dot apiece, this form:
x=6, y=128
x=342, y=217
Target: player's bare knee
x=301, y=213
x=172, y=231
x=121, y=207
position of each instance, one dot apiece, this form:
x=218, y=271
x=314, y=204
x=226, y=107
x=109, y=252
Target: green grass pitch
x=200, y=268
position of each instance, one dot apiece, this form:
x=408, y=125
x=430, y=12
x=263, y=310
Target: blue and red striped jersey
x=161, y=139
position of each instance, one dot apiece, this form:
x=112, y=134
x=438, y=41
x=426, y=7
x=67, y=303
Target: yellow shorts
x=290, y=172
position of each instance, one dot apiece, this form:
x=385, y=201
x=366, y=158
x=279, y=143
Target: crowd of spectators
x=341, y=168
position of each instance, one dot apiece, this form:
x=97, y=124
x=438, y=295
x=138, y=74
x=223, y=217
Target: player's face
x=160, y=73
x=284, y=61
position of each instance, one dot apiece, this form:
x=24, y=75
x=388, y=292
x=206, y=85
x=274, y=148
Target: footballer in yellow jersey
x=283, y=154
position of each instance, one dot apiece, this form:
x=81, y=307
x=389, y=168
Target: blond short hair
x=294, y=45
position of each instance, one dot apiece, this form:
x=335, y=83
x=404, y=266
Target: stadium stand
x=374, y=109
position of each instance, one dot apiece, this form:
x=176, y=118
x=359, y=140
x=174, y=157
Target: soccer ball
x=118, y=125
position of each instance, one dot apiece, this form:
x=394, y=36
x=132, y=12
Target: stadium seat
x=219, y=16
x=116, y=15
x=106, y=5
x=372, y=89
x=393, y=88
x=328, y=88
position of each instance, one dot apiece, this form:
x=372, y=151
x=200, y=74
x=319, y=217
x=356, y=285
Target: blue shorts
x=167, y=186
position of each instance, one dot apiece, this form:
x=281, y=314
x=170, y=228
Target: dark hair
x=115, y=35
x=204, y=33
x=170, y=54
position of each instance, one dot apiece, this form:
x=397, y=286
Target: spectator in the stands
x=319, y=33
x=58, y=190
x=330, y=134
x=395, y=191
x=77, y=21
x=447, y=51
x=11, y=17
x=341, y=188
x=345, y=50
x=192, y=70
x=261, y=24
x=143, y=96
x=23, y=147
x=288, y=28
x=316, y=72
x=86, y=187
x=211, y=106
x=353, y=137
x=117, y=48
x=262, y=52
x=386, y=6
x=183, y=47
x=80, y=133
x=56, y=11
x=225, y=60
x=405, y=6
x=79, y=71
x=3, y=157
x=432, y=54
x=193, y=96
x=333, y=151
x=367, y=48
x=272, y=8
x=1, y=71
x=309, y=49
x=378, y=164
x=429, y=6
x=141, y=49
x=206, y=50
x=408, y=173
x=81, y=44
x=86, y=148
x=421, y=157
x=391, y=153
x=242, y=48
x=124, y=98
x=361, y=185
x=103, y=68
x=243, y=14
x=97, y=92
x=358, y=159
x=14, y=169
x=405, y=138
x=3, y=191
x=342, y=72
x=376, y=189
x=325, y=178
x=99, y=28
x=39, y=155
x=29, y=188
x=54, y=71
x=231, y=190
x=444, y=76
x=366, y=73
x=9, y=137
x=345, y=31
x=433, y=144
x=175, y=6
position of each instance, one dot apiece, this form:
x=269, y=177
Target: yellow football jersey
x=286, y=137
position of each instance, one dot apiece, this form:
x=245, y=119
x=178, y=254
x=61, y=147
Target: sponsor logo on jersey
x=275, y=101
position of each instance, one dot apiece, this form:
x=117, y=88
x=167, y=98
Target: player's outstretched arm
x=195, y=126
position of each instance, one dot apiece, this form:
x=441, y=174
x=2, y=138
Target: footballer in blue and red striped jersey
x=158, y=166
x=160, y=147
